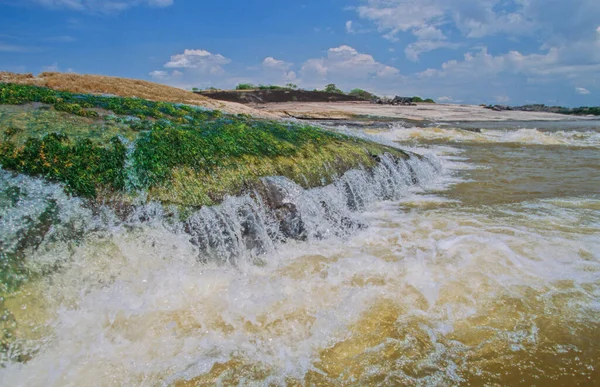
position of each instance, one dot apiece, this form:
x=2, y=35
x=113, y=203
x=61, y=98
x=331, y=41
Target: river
x=486, y=272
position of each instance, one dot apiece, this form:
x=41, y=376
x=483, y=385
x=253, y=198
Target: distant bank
x=277, y=96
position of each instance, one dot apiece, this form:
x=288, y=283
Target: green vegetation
x=178, y=153
x=362, y=94
x=81, y=165
x=271, y=87
x=584, y=111
x=332, y=88
x=245, y=86
x=419, y=99
x=108, y=148
x=249, y=86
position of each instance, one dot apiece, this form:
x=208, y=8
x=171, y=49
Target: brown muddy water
x=488, y=274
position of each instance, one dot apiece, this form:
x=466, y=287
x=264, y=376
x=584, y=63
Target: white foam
x=529, y=136
x=139, y=309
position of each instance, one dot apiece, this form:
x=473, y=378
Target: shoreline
x=423, y=112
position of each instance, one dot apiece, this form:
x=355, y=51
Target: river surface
x=486, y=273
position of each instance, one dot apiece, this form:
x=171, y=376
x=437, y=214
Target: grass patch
x=203, y=154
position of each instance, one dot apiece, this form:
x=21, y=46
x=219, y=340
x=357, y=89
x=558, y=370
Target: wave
x=530, y=136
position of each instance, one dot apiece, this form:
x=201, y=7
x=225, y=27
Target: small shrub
x=245, y=86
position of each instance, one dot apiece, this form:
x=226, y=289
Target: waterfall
x=240, y=228
x=279, y=210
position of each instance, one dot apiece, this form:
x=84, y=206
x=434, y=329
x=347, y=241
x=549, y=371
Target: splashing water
x=526, y=136
x=405, y=276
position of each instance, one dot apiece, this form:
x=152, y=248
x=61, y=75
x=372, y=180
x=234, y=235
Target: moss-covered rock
x=110, y=148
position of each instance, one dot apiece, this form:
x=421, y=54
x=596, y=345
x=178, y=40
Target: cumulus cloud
x=272, y=63
x=429, y=38
x=429, y=20
x=159, y=74
x=582, y=91
x=276, y=71
x=101, y=6
x=414, y=50
x=345, y=62
x=193, y=68
x=556, y=63
x=348, y=68
x=475, y=18
x=200, y=60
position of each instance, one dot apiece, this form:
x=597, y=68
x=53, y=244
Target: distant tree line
x=330, y=88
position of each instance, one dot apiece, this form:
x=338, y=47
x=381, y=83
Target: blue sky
x=457, y=51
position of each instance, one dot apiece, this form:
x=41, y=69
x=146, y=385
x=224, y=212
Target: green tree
x=332, y=88
x=245, y=86
x=362, y=94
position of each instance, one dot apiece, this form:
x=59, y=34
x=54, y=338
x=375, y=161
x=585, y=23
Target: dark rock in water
x=474, y=130
x=397, y=100
x=402, y=101
x=354, y=201
x=285, y=210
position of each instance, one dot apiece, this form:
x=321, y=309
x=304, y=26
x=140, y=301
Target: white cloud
x=345, y=61
x=558, y=63
x=429, y=38
x=475, y=18
x=502, y=99
x=101, y=6
x=414, y=50
x=347, y=68
x=429, y=33
x=200, y=60
x=276, y=71
x=427, y=21
x=349, y=27
x=193, y=68
x=396, y=16
x=272, y=63
x=159, y=74
x=582, y=91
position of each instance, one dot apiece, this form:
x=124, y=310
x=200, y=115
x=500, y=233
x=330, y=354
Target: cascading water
x=254, y=224
x=42, y=226
x=490, y=275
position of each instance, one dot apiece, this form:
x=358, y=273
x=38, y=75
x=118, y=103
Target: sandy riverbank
x=421, y=112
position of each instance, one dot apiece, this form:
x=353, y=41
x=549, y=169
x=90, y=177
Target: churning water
x=478, y=265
